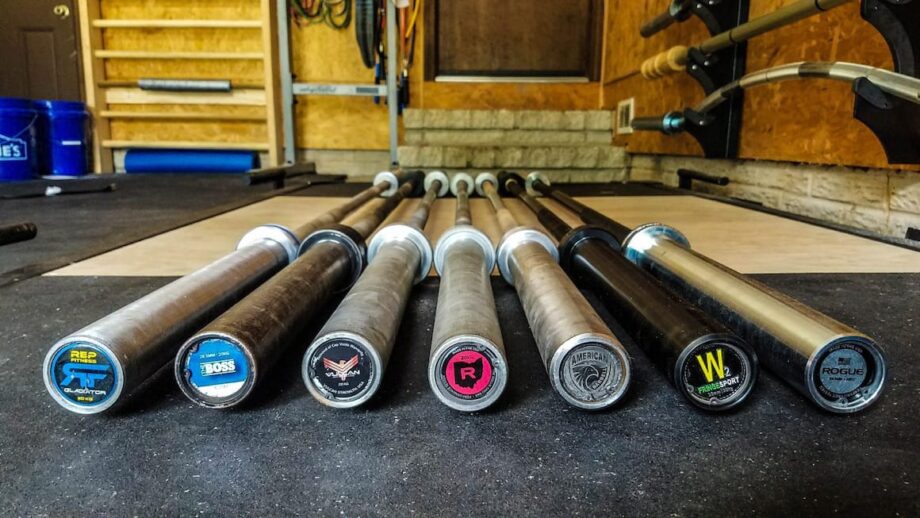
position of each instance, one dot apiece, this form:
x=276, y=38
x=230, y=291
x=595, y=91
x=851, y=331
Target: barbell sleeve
x=587, y=365
x=708, y=364
x=91, y=370
x=675, y=58
x=467, y=367
x=344, y=365
x=10, y=234
x=835, y=366
x=669, y=123
x=223, y=363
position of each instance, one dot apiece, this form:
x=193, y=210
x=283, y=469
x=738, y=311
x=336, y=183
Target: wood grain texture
x=802, y=121
x=746, y=240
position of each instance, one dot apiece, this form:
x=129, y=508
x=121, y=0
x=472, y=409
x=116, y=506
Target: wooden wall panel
x=803, y=121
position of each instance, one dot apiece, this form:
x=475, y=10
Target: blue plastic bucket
x=61, y=138
x=17, y=134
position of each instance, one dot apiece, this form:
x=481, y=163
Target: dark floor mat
x=74, y=227
x=405, y=453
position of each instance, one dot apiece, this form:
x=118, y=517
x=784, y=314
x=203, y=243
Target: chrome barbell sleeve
x=835, y=366
x=91, y=370
x=223, y=363
x=467, y=368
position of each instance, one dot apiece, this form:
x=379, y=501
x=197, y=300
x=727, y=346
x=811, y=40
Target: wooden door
x=39, y=50
x=513, y=38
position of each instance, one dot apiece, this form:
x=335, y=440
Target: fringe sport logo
x=342, y=369
x=13, y=149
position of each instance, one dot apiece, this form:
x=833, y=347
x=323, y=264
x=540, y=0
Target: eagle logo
x=341, y=369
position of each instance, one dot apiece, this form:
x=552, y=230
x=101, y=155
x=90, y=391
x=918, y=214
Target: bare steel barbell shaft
x=675, y=58
x=832, y=364
x=898, y=85
x=586, y=364
x=343, y=366
x=467, y=368
x=91, y=370
x=221, y=365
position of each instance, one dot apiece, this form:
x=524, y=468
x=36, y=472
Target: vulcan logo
x=712, y=366
x=86, y=375
x=343, y=369
x=13, y=149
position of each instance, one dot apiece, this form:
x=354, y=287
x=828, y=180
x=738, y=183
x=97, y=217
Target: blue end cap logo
x=84, y=374
x=216, y=368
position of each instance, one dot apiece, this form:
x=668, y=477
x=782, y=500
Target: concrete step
x=538, y=157
x=590, y=120
x=506, y=137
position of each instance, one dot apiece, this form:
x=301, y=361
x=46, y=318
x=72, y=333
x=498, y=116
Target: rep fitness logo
x=83, y=374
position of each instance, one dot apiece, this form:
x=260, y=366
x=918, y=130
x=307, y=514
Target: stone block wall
x=566, y=145
x=883, y=201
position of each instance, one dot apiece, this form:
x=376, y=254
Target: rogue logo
x=834, y=371
x=87, y=375
x=342, y=369
x=13, y=149
x=712, y=366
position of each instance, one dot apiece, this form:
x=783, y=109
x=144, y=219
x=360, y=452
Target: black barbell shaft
x=835, y=366
x=714, y=369
x=223, y=363
x=98, y=366
x=344, y=365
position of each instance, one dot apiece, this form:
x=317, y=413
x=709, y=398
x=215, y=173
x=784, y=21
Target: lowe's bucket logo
x=13, y=149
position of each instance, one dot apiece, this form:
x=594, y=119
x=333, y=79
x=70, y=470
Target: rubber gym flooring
x=405, y=453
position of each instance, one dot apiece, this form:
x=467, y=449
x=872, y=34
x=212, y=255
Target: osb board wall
x=802, y=121
x=241, y=72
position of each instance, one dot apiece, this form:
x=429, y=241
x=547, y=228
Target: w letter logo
x=712, y=366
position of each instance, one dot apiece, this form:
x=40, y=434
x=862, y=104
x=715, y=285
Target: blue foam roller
x=189, y=161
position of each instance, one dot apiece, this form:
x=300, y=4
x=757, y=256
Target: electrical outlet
x=625, y=113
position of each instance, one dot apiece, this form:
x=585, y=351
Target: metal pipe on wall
x=344, y=365
x=708, y=364
x=587, y=365
x=98, y=366
x=467, y=368
x=223, y=363
x=833, y=365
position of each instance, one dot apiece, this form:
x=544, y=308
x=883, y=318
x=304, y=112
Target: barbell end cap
x=484, y=178
x=638, y=241
x=399, y=231
x=532, y=178
x=277, y=233
x=464, y=179
x=390, y=178
x=438, y=176
x=516, y=237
